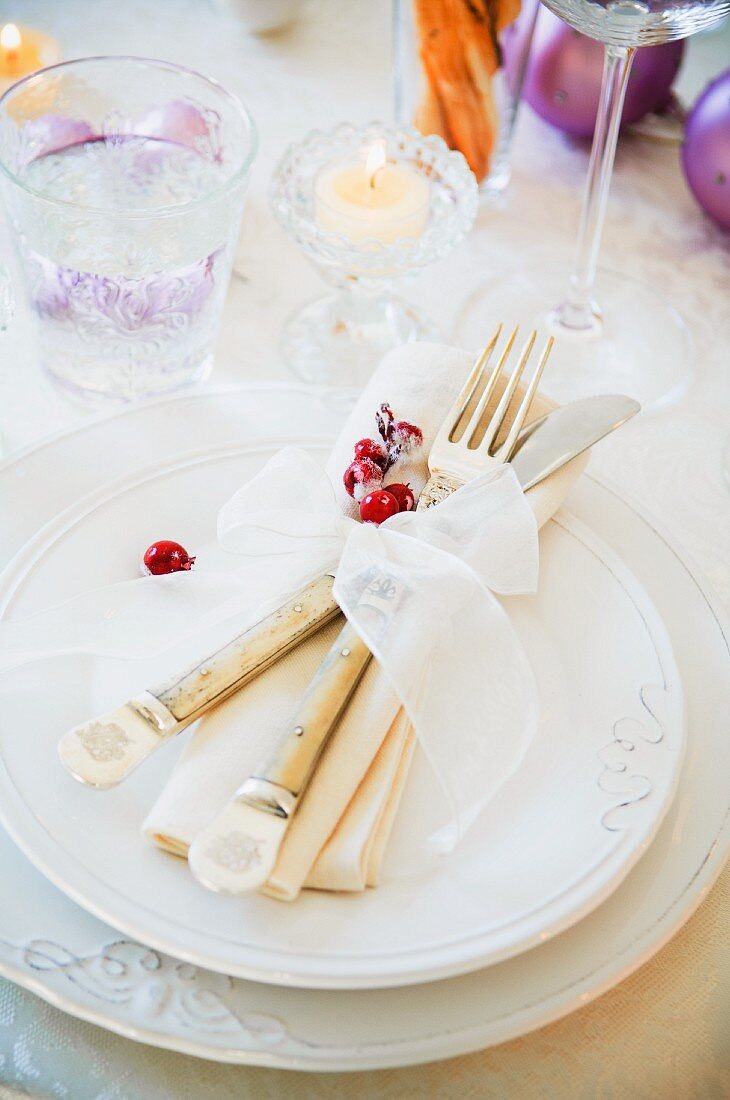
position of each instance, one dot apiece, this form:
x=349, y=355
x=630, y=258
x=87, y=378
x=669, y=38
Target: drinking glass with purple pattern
x=124, y=181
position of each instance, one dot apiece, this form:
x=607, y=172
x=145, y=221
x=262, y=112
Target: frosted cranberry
x=362, y=476
x=166, y=557
x=371, y=449
x=409, y=436
x=404, y=495
x=379, y=506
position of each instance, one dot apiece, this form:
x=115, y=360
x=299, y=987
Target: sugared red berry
x=404, y=495
x=361, y=477
x=166, y=557
x=409, y=436
x=373, y=459
x=370, y=448
x=379, y=506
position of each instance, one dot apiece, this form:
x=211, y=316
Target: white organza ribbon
x=420, y=591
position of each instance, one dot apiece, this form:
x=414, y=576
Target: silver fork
x=263, y=806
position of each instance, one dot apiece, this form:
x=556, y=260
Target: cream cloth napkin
x=339, y=834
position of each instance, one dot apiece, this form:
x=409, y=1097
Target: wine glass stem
x=579, y=311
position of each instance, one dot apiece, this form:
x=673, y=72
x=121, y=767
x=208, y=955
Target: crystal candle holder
x=361, y=253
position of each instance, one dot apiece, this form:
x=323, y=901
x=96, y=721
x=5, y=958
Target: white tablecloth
x=660, y=1034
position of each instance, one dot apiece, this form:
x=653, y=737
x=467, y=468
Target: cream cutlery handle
x=211, y=681
x=293, y=759
x=103, y=751
x=257, y=817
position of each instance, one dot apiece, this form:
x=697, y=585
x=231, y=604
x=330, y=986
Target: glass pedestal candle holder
x=368, y=206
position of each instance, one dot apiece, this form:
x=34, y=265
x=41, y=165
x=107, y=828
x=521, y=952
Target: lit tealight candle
x=378, y=200
x=23, y=51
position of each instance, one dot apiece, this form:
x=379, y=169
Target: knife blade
x=566, y=432
x=237, y=852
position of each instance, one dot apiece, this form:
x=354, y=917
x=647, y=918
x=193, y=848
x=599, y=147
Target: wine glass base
x=339, y=340
x=642, y=347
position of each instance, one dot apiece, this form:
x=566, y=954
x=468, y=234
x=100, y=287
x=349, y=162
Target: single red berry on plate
x=166, y=557
x=379, y=506
x=404, y=495
x=370, y=448
x=362, y=476
x=409, y=436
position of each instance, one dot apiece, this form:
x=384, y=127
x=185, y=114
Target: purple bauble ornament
x=563, y=77
x=706, y=150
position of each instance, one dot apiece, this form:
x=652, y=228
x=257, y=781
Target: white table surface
x=334, y=63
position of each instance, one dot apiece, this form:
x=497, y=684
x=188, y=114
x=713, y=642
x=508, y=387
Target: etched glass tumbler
x=124, y=181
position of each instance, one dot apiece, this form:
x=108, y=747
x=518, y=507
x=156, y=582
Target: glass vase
x=453, y=78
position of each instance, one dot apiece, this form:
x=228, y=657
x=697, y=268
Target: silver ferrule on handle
x=149, y=708
x=271, y=798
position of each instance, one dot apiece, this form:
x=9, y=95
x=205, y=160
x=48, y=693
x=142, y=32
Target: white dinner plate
x=74, y=961
x=553, y=843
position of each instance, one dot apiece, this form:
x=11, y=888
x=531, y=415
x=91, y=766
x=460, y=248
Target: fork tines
x=479, y=432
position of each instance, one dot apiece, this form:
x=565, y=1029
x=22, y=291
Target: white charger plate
x=74, y=961
x=559, y=836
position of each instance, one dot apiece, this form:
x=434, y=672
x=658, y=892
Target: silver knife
x=238, y=850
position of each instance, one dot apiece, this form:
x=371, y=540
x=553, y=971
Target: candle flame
x=10, y=37
x=375, y=161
